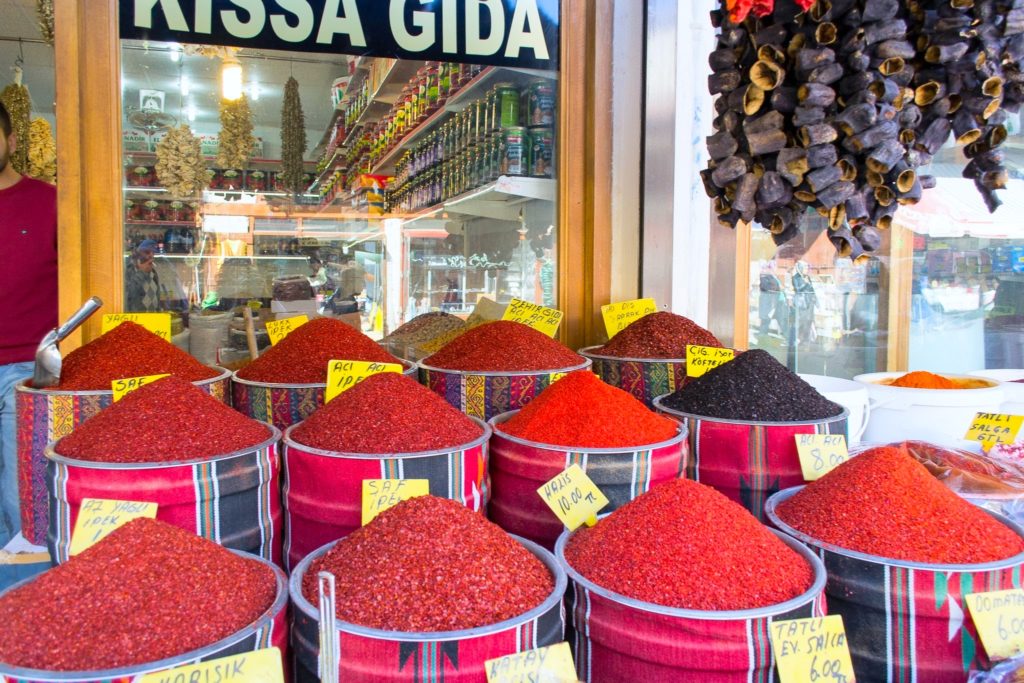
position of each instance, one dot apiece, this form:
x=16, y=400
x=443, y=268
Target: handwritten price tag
x=999, y=618
x=130, y=384
x=700, y=359
x=540, y=318
x=98, y=517
x=381, y=494
x=552, y=663
x=573, y=497
x=820, y=453
x=618, y=316
x=279, y=329
x=812, y=649
x=259, y=666
x=342, y=375
x=157, y=323
x=993, y=428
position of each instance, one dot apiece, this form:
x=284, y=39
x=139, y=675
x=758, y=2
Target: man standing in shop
x=141, y=284
x=28, y=281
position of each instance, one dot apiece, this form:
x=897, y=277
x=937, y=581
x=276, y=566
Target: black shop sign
x=521, y=33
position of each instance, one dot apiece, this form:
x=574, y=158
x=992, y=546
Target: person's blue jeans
x=10, y=517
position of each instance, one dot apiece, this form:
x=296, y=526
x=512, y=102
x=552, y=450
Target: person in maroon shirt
x=28, y=282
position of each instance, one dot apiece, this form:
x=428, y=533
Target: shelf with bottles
x=500, y=199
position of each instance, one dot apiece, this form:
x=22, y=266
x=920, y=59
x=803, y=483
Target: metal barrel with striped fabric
x=622, y=639
x=324, y=489
x=370, y=655
x=520, y=467
x=283, y=405
x=45, y=415
x=233, y=499
x=486, y=394
x=644, y=378
x=270, y=630
x=907, y=621
x=748, y=461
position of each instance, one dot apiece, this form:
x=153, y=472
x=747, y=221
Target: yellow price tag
x=342, y=375
x=258, y=666
x=999, y=618
x=813, y=649
x=618, y=316
x=573, y=497
x=279, y=329
x=381, y=494
x=540, y=318
x=98, y=517
x=820, y=453
x=130, y=384
x=700, y=359
x=157, y=323
x=993, y=428
x=545, y=664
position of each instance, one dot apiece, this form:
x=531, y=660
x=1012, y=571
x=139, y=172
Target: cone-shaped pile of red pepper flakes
x=504, y=346
x=658, y=335
x=146, y=592
x=430, y=564
x=386, y=413
x=302, y=356
x=165, y=421
x=581, y=411
x=884, y=502
x=128, y=350
x=683, y=544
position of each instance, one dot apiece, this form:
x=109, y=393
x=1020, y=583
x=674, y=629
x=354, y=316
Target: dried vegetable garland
x=236, y=138
x=179, y=163
x=44, y=16
x=42, y=151
x=19, y=106
x=293, y=137
x=835, y=108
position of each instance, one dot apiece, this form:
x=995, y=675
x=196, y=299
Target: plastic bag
x=1009, y=671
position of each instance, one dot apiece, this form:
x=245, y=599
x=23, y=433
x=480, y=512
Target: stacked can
x=538, y=106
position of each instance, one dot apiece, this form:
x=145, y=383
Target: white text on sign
x=540, y=318
x=120, y=387
x=700, y=359
x=259, y=666
x=992, y=428
x=157, y=323
x=279, y=329
x=382, y=494
x=999, y=618
x=342, y=375
x=820, y=453
x=619, y=316
x=813, y=649
x=98, y=517
x=573, y=497
x=552, y=664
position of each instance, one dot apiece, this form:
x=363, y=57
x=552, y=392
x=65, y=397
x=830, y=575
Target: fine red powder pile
x=128, y=350
x=429, y=564
x=165, y=421
x=503, y=346
x=884, y=502
x=581, y=411
x=146, y=592
x=302, y=356
x=658, y=335
x=386, y=413
x=683, y=544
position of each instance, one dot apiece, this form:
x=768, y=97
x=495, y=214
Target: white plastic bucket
x=849, y=394
x=1012, y=381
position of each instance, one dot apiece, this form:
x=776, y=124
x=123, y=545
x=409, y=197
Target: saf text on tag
x=700, y=359
x=813, y=649
x=157, y=323
x=342, y=375
x=540, y=318
x=98, y=517
x=381, y=494
x=279, y=329
x=127, y=385
x=573, y=497
x=820, y=453
x=618, y=316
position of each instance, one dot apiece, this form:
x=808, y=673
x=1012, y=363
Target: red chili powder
x=386, y=413
x=683, y=544
x=128, y=350
x=503, y=346
x=165, y=421
x=658, y=335
x=302, y=356
x=146, y=592
x=884, y=502
x=921, y=379
x=430, y=564
x=581, y=411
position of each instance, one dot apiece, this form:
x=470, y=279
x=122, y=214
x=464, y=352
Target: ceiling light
x=175, y=52
x=231, y=78
x=191, y=112
x=186, y=86
x=254, y=91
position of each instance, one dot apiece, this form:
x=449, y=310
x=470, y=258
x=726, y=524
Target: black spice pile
x=754, y=386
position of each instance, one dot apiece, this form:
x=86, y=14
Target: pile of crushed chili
x=146, y=592
x=581, y=411
x=302, y=356
x=128, y=350
x=884, y=502
x=165, y=421
x=658, y=335
x=683, y=544
x=386, y=413
x=921, y=379
x=430, y=564
x=503, y=346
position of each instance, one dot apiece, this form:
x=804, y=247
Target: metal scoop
x=48, y=360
